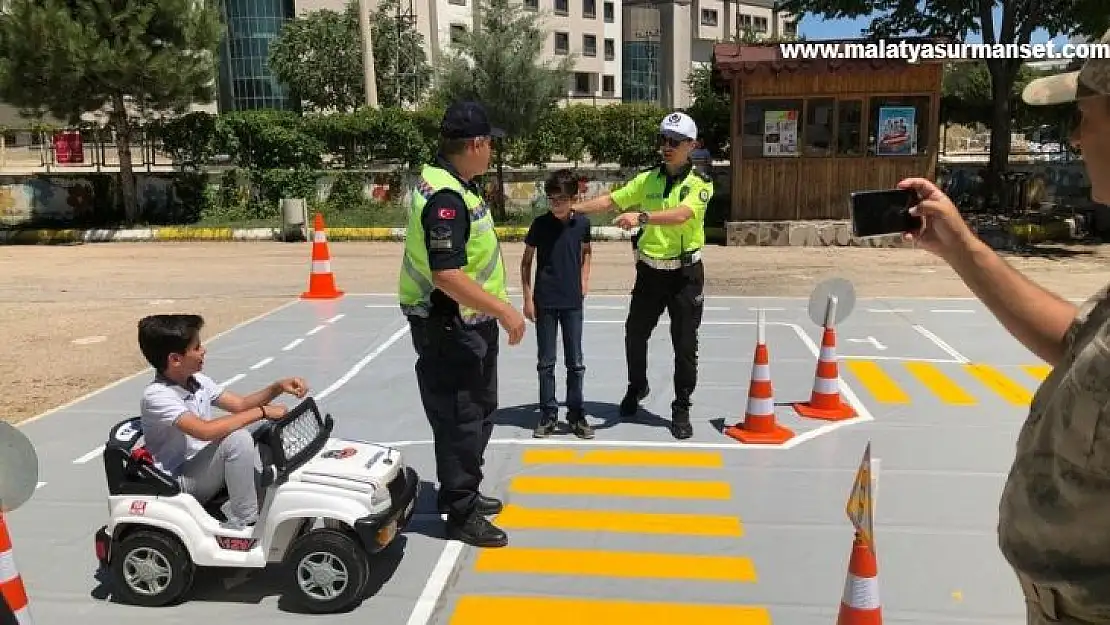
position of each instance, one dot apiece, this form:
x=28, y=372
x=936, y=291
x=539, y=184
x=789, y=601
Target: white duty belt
x=669, y=263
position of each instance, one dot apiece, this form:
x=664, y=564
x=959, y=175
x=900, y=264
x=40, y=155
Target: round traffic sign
x=19, y=468
x=839, y=288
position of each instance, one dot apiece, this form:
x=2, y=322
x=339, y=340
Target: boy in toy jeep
x=201, y=451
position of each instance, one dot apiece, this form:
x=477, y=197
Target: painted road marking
x=1038, y=371
x=500, y=610
x=315, y=330
x=628, y=564
x=262, y=363
x=941, y=385
x=515, y=516
x=292, y=344
x=881, y=386
x=625, y=457
x=336, y=318
x=233, y=379
x=999, y=383
x=939, y=342
x=618, y=487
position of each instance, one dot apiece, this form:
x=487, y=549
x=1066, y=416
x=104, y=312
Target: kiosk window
x=898, y=126
x=772, y=129
x=817, y=134
x=849, y=130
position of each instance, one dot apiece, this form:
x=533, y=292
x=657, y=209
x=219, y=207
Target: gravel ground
x=53, y=296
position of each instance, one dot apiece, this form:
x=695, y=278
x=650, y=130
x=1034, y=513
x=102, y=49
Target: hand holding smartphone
x=885, y=212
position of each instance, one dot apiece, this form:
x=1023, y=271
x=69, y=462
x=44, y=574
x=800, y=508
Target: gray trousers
x=233, y=461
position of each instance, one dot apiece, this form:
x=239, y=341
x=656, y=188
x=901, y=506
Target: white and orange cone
x=825, y=401
x=12, y=592
x=860, y=604
x=321, y=282
x=759, y=426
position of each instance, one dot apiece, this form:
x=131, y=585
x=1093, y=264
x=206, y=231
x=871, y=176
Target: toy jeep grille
x=298, y=436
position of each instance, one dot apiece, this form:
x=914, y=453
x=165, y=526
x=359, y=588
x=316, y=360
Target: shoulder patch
x=703, y=195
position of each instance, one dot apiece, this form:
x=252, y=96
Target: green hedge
x=622, y=134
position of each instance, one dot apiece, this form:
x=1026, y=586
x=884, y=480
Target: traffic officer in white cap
x=671, y=200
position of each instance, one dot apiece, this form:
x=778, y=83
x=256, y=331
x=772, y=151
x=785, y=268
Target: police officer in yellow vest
x=671, y=199
x=452, y=290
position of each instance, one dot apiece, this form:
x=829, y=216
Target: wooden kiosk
x=806, y=133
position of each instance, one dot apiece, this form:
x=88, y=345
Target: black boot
x=476, y=531
x=486, y=506
x=680, y=422
x=631, y=402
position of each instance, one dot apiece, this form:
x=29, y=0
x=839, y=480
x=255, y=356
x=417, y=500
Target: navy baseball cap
x=466, y=120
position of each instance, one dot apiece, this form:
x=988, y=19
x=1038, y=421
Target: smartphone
x=879, y=213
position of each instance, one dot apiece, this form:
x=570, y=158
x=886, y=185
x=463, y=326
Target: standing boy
x=560, y=241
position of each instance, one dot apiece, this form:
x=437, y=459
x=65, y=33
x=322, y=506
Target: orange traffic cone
x=860, y=604
x=12, y=592
x=824, y=402
x=759, y=425
x=321, y=282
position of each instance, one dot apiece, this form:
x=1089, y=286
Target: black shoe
x=546, y=426
x=680, y=423
x=578, y=426
x=477, y=531
x=631, y=402
x=486, y=506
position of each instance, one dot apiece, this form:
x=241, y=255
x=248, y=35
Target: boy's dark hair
x=562, y=182
x=162, y=335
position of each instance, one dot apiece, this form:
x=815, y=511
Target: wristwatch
x=643, y=218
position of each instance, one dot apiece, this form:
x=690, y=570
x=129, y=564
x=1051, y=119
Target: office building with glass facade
x=245, y=78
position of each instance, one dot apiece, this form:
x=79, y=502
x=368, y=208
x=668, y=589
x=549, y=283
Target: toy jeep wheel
x=151, y=568
x=328, y=571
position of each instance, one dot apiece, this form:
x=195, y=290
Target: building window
x=607, y=85
x=760, y=24
x=641, y=67
x=589, y=45
x=582, y=83
x=457, y=32
x=817, y=133
x=849, y=128
x=709, y=17
x=562, y=43
x=562, y=7
x=610, y=50
x=743, y=24
x=609, y=12
x=458, y=2
x=589, y=9
x=790, y=29
x=771, y=128
x=898, y=126
x=532, y=5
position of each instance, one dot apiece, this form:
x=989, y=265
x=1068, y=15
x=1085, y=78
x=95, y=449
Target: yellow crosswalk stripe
x=881, y=386
x=625, y=458
x=629, y=564
x=518, y=517
x=1038, y=371
x=994, y=379
x=941, y=385
x=620, y=487
x=506, y=610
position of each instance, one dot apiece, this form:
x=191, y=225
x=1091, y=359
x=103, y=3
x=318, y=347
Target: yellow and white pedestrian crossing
x=604, y=501
x=957, y=384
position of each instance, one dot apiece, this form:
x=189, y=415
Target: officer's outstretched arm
x=600, y=204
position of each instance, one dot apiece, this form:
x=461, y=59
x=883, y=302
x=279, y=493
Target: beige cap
x=1090, y=80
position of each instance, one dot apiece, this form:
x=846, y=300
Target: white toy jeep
x=328, y=505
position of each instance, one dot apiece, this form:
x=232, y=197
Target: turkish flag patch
x=446, y=213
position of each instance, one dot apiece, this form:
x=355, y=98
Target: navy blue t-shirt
x=558, y=282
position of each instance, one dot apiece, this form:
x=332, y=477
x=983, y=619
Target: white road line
x=758, y=308
x=360, y=365
x=952, y=310
x=89, y=456
x=314, y=330
x=235, y=378
x=949, y=361
x=889, y=310
x=337, y=317
x=292, y=344
x=262, y=363
x=437, y=581
x=120, y=381
x=941, y=344
x=40, y=485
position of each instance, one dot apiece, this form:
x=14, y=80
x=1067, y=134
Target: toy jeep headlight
x=298, y=435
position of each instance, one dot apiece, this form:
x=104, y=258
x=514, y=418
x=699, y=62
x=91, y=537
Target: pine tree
x=125, y=58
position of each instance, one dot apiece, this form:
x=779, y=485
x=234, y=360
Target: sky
x=815, y=28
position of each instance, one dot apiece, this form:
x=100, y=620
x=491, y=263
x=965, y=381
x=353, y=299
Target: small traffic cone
x=321, y=282
x=825, y=402
x=860, y=603
x=759, y=426
x=13, y=595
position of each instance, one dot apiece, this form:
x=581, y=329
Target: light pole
x=367, y=54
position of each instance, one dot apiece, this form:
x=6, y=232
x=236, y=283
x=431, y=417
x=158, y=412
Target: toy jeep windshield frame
x=297, y=437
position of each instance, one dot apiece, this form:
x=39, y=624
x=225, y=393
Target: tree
x=956, y=19
x=126, y=58
x=499, y=64
x=319, y=58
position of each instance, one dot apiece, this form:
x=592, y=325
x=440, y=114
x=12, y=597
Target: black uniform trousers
x=680, y=293
x=456, y=368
